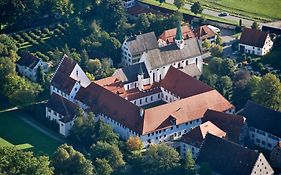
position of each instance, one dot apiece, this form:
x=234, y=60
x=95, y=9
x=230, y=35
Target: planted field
x=42, y=40
x=15, y=132
x=267, y=9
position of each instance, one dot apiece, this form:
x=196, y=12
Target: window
x=258, y=140
x=140, y=101
x=146, y=100
x=151, y=98
x=171, y=128
x=158, y=95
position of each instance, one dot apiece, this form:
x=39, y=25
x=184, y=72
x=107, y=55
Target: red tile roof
x=184, y=110
x=204, y=32
x=196, y=136
x=230, y=123
x=253, y=37
x=182, y=84
x=169, y=35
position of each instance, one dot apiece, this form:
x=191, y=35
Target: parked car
x=223, y=14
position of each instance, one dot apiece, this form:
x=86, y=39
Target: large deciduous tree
x=269, y=92
x=66, y=160
x=179, y=3
x=18, y=162
x=111, y=153
x=196, y=8
x=160, y=159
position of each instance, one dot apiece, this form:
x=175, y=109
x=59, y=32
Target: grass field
x=15, y=132
x=263, y=8
x=187, y=11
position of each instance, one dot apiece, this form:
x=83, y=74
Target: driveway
x=245, y=22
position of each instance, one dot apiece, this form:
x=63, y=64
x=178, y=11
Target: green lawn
x=187, y=11
x=252, y=8
x=15, y=132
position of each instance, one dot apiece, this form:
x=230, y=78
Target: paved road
x=245, y=22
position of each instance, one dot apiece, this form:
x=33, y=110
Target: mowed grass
x=263, y=8
x=15, y=132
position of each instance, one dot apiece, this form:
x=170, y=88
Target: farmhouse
x=255, y=42
x=205, y=33
x=28, y=66
x=168, y=36
x=154, y=111
x=263, y=125
x=225, y=157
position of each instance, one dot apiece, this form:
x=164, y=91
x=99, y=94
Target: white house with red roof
x=154, y=111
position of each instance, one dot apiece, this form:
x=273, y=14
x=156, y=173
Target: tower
x=179, y=38
x=140, y=79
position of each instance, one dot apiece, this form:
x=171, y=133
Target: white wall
x=147, y=100
x=262, y=167
x=184, y=147
x=263, y=139
x=79, y=75
x=168, y=97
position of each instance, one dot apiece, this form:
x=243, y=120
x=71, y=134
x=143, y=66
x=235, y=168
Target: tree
x=224, y=86
x=189, y=163
x=255, y=25
x=19, y=162
x=160, y=159
x=196, y=8
x=94, y=65
x=84, y=59
x=206, y=43
x=219, y=40
x=66, y=160
x=8, y=48
x=86, y=131
x=216, y=51
x=214, y=65
x=111, y=153
x=64, y=7
x=114, y=12
x=134, y=143
x=227, y=67
x=103, y=167
x=142, y=23
x=179, y=3
x=40, y=76
x=269, y=92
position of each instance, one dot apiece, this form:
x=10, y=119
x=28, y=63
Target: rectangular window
x=151, y=98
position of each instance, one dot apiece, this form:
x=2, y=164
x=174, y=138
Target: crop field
x=256, y=8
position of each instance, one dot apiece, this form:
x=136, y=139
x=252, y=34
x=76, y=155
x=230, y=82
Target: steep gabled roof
x=63, y=107
x=169, y=35
x=28, y=60
x=196, y=136
x=182, y=84
x=262, y=118
x=230, y=123
x=129, y=74
x=204, y=32
x=61, y=79
x=225, y=157
x=253, y=37
x=171, y=53
x=141, y=43
x=112, y=105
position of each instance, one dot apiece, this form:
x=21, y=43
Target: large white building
x=263, y=125
x=134, y=106
x=183, y=53
x=255, y=42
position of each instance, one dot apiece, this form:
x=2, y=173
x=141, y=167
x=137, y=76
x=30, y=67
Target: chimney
x=141, y=112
